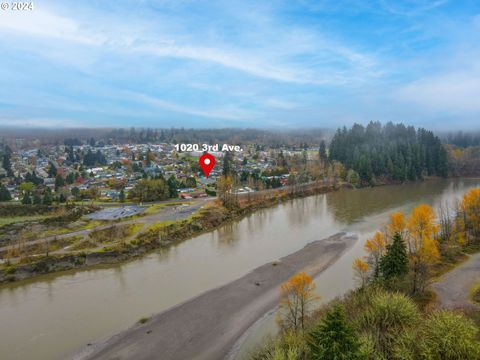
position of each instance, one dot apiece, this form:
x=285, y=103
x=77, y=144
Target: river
x=52, y=316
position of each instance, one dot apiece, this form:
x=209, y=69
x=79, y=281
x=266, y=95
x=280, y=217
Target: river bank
x=162, y=236
x=100, y=301
x=201, y=331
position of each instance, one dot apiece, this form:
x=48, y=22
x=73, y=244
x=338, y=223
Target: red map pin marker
x=207, y=162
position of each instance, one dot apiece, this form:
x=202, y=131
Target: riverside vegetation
x=391, y=315
x=129, y=242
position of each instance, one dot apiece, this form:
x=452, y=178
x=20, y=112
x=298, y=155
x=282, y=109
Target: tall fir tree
x=395, y=262
x=27, y=199
x=7, y=164
x=37, y=200
x=334, y=338
x=228, y=164
x=5, y=194
x=59, y=182
x=52, y=170
x=322, y=151
x=47, y=197
x=172, y=186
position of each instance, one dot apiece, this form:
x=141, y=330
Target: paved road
x=453, y=288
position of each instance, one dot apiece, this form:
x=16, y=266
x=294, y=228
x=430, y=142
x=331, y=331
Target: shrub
x=389, y=315
x=291, y=345
x=451, y=336
x=444, y=335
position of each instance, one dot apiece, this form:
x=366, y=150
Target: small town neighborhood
x=109, y=173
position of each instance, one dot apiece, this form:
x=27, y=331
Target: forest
x=462, y=139
x=391, y=151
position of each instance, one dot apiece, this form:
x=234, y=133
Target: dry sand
x=207, y=326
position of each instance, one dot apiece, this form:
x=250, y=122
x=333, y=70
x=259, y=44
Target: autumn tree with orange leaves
x=375, y=248
x=397, y=225
x=297, y=295
x=422, y=246
x=361, y=268
x=468, y=217
x=418, y=233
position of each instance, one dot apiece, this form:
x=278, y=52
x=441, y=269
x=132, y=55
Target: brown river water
x=52, y=316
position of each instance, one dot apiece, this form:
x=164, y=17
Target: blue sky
x=270, y=64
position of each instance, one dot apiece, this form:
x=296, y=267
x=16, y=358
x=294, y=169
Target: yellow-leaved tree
x=375, y=248
x=421, y=244
x=360, y=268
x=225, y=187
x=468, y=220
x=397, y=224
x=296, y=298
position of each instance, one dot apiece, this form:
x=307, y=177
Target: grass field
x=20, y=219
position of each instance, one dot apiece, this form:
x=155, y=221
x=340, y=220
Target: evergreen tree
x=7, y=165
x=52, y=170
x=26, y=200
x=122, y=196
x=76, y=192
x=33, y=178
x=59, y=182
x=395, y=262
x=227, y=164
x=191, y=182
x=5, y=194
x=70, y=155
x=37, y=200
x=334, y=338
x=47, y=197
x=70, y=179
x=322, y=151
x=172, y=187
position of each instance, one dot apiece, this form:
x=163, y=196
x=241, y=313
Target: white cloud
x=42, y=23
x=225, y=112
x=456, y=92
x=239, y=62
x=411, y=7
x=276, y=62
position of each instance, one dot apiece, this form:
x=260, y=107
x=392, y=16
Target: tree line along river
x=52, y=316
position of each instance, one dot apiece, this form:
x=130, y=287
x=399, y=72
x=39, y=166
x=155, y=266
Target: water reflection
x=227, y=235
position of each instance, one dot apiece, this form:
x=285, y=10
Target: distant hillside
x=24, y=138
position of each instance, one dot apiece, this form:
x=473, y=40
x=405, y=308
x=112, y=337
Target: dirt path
x=453, y=289
x=207, y=327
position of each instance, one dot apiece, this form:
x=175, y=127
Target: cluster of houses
x=123, y=165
